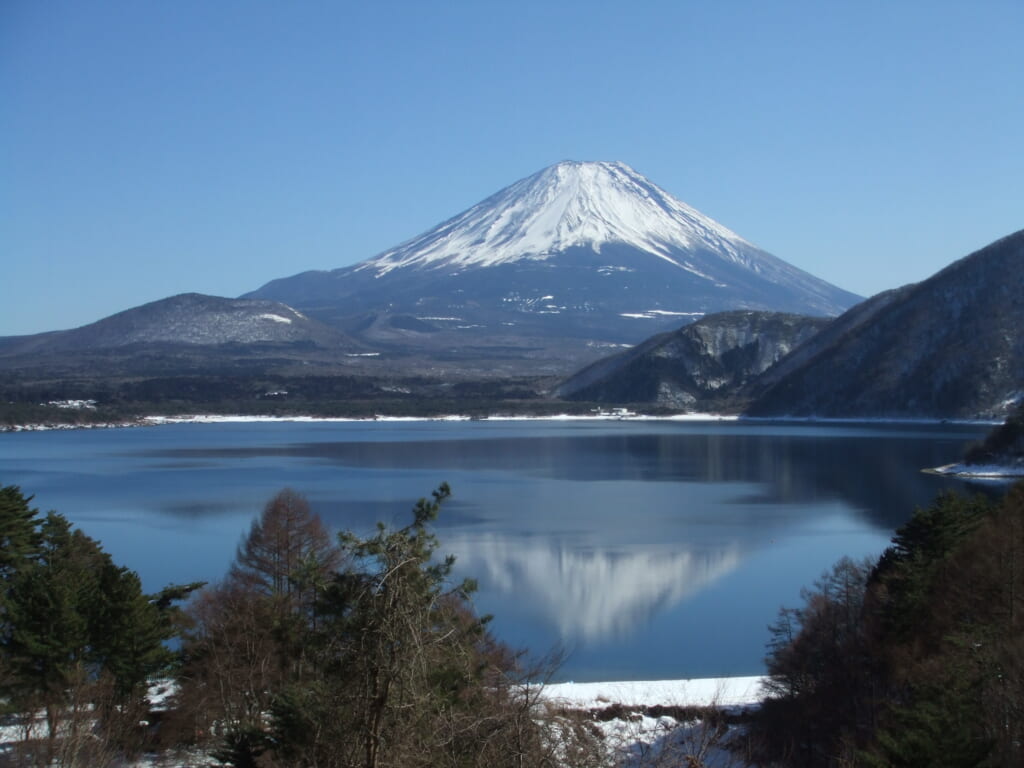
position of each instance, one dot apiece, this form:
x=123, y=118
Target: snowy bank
x=706, y=692
x=980, y=471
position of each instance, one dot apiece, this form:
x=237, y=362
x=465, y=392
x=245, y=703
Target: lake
x=642, y=549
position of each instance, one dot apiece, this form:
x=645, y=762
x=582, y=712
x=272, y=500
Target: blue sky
x=149, y=149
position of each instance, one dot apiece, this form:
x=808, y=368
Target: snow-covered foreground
x=657, y=723
x=636, y=740
x=707, y=692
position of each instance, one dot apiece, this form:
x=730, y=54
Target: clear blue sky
x=153, y=148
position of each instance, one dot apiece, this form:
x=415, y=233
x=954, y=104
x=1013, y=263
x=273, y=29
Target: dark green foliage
x=929, y=671
x=19, y=539
x=920, y=549
x=242, y=747
x=940, y=727
x=52, y=602
x=1003, y=445
x=77, y=629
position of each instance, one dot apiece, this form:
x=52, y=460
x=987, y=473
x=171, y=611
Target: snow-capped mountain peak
x=577, y=254
x=571, y=204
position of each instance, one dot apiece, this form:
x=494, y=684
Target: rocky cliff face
x=700, y=365
x=948, y=347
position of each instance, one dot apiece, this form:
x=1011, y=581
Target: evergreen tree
x=19, y=539
x=935, y=671
x=75, y=625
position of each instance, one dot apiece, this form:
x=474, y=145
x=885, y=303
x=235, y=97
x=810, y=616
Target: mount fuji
x=560, y=266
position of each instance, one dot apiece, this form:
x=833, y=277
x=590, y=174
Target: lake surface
x=643, y=549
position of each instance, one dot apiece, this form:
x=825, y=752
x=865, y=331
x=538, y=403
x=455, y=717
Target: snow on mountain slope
x=576, y=257
x=190, y=319
x=568, y=205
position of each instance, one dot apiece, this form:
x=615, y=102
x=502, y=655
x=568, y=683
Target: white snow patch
x=150, y=421
x=615, y=417
x=242, y=419
x=702, y=692
x=654, y=314
x=568, y=205
x=74, y=405
x=276, y=318
x=981, y=471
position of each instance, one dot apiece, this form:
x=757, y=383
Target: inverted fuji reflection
x=591, y=594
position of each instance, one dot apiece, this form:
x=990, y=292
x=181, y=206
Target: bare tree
x=248, y=639
x=286, y=547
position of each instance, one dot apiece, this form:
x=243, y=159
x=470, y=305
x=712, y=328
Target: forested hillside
x=1004, y=445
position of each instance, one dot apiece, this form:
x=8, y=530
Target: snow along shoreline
x=699, y=692
x=154, y=421
x=629, y=733
x=613, y=415
x=979, y=471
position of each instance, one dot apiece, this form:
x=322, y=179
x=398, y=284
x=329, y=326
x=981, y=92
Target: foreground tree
x=396, y=667
x=79, y=635
x=925, y=666
x=287, y=552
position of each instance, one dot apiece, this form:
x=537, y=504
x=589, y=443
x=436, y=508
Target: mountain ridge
x=189, y=319
x=580, y=253
x=946, y=347
x=704, y=365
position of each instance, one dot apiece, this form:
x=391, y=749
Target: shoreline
x=697, y=692
x=994, y=472
x=156, y=421
x=615, y=415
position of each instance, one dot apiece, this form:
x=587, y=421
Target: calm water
x=645, y=550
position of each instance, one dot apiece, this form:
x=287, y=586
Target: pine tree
x=19, y=539
x=76, y=625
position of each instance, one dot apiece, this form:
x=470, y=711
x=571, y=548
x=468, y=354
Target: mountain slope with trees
x=948, y=347
x=1004, y=445
x=702, y=365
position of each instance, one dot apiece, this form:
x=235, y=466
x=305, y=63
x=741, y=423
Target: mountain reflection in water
x=646, y=549
x=590, y=595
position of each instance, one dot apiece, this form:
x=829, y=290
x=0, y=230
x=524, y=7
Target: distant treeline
x=1004, y=445
x=23, y=403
